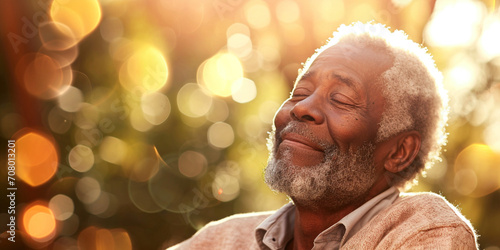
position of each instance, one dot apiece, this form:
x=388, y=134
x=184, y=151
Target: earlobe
x=405, y=148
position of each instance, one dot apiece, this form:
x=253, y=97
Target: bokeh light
x=104, y=206
x=132, y=115
x=45, y=78
x=88, y=190
x=113, y=150
x=39, y=222
x=63, y=57
x=87, y=117
x=239, y=44
x=65, y=243
x=71, y=100
x=257, y=14
x=81, y=158
x=490, y=37
x=477, y=171
x=448, y=27
x=81, y=17
x=220, y=135
x=155, y=107
x=287, y=11
x=219, y=73
x=56, y=36
x=138, y=120
x=243, y=90
x=37, y=158
x=193, y=101
x=61, y=206
x=145, y=70
x=225, y=187
x=192, y=164
x=219, y=111
x=94, y=238
x=111, y=29
x=491, y=136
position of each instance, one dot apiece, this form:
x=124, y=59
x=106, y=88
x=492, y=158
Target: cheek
x=350, y=130
x=282, y=117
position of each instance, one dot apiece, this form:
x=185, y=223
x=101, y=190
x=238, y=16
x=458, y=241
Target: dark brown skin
x=340, y=103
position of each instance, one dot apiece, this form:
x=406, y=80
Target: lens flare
x=37, y=158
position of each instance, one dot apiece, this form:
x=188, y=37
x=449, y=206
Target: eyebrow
x=344, y=79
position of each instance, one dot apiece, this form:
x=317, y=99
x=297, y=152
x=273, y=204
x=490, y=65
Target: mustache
x=303, y=129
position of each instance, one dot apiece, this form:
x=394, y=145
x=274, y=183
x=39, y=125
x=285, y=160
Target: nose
x=307, y=110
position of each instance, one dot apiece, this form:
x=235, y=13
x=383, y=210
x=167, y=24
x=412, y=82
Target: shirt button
x=274, y=239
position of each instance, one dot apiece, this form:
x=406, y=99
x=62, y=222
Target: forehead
x=359, y=65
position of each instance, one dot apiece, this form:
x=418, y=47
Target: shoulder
x=419, y=220
x=430, y=209
x=238, y=222
x=228, y=233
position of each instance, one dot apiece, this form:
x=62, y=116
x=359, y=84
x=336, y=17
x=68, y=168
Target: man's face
x=324, y=148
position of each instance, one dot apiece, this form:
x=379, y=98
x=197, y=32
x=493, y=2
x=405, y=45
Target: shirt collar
x=275, y=231
x=355, y=220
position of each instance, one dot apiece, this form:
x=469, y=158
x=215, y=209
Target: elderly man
x=366, y=115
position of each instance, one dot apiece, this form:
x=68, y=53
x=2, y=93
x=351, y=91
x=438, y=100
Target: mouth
x=297, y=140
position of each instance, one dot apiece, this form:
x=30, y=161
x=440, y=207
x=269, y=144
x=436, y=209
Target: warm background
x=138, y=121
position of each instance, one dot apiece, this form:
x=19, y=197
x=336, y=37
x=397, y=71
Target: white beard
x=339, y=180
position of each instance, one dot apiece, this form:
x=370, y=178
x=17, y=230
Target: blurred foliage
x=138, y=121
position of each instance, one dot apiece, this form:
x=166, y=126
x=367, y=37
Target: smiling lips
x=300, y=141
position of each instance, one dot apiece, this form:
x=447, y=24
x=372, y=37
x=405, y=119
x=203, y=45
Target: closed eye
x=343, y=100
x=300, y=93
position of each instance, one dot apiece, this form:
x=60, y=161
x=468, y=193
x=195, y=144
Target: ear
x=404, y=147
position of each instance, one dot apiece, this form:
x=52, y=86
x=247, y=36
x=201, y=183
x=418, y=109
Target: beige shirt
x=277, y=230
x=412, y=221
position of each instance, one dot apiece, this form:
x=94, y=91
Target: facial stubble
x=339, y=180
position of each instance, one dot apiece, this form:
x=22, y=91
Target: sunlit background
x=138, y=121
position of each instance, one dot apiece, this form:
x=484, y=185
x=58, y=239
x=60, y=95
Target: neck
x=311, y=221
